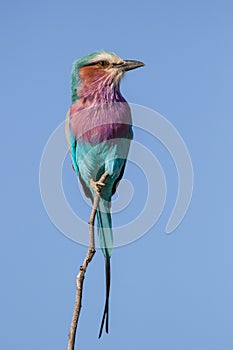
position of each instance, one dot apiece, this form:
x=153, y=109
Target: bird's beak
x=130, y=64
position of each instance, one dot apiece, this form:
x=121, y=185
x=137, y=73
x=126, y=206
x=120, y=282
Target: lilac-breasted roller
x=99, y=130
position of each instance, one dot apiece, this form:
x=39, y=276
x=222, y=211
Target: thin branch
x=82, y=271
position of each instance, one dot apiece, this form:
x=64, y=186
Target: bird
x=99, y=132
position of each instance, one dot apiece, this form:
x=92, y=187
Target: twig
x=83, y=267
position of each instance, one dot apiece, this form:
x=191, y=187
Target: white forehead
x=107, y=56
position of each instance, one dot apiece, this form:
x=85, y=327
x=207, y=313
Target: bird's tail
x=104, y=222
x=105, y=317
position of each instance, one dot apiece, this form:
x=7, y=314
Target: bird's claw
x=97, y=186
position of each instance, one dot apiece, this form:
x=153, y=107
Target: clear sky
x=168, y=291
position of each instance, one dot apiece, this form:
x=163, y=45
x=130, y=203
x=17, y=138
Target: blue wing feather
x=71, y=142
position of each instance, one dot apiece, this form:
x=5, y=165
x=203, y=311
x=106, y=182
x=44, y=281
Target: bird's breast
x=103, y=122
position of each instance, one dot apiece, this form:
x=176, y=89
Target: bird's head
x=99, y=74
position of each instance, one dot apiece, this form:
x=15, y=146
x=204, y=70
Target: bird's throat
x=97, y=86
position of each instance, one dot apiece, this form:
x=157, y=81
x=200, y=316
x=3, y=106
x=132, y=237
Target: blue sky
x=168, y=291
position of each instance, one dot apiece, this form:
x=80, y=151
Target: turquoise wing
x=71, y=143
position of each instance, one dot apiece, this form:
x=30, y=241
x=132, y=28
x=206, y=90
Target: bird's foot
x=97, y=186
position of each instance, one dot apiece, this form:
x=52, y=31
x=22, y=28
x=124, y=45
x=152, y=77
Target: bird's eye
x=103, y=63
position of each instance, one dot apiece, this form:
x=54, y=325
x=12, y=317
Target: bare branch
x=82, y=271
